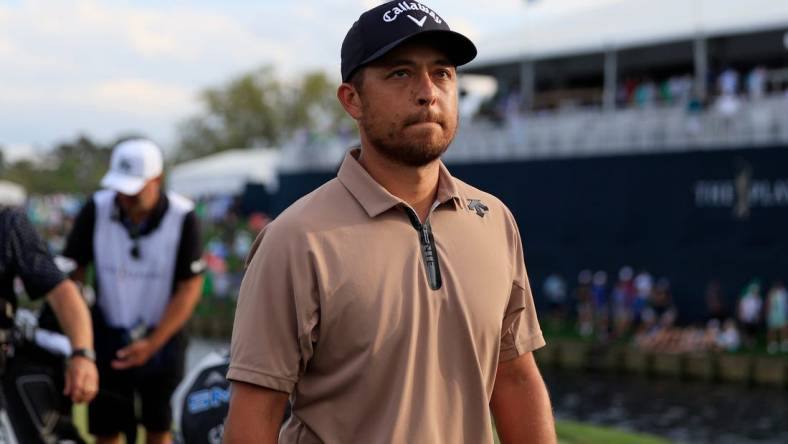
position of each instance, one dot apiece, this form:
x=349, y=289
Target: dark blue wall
x=638, y=210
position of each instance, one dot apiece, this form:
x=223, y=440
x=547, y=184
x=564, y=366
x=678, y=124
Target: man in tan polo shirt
x=392, y=304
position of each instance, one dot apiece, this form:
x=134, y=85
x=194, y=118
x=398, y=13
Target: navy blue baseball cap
x=385, y=27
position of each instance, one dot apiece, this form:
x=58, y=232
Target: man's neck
x=418, y=186
x=137, y=218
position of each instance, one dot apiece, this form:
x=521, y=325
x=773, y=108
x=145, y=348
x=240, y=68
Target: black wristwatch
x=87, y=353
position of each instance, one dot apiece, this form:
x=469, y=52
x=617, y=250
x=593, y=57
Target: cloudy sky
x=106, y=67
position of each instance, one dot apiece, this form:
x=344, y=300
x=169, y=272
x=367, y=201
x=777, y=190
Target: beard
x=404, y=144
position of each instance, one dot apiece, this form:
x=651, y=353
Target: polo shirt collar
x=150, y=223
x=373, y=197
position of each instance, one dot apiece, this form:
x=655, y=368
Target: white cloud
x=104, y=66
x=16, y=152
x=127, y=95
x=140, y=96
x=7, y=48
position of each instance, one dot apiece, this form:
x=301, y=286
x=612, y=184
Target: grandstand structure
x=627, y=132
x=569, y=72
x=630, y=130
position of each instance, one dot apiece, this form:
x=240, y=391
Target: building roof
x=557, y=28
x=226, y=172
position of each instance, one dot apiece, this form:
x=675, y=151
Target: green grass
x=569, y=432
x=80, y=414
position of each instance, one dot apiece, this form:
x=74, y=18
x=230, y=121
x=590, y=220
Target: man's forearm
x=255, y=415
x=521, y=405
x=72, y=314
x=178, y=311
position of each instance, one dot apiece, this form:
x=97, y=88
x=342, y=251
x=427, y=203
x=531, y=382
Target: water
x=683, y=412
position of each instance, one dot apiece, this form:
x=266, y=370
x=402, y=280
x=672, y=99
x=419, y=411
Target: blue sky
x=106, y=67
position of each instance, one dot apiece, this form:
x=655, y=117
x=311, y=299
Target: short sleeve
x=79, y=244
x=276, y=317
x=520, y=332
x=32, y=261
x=189, y=260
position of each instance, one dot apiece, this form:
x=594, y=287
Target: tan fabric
x=336, y=309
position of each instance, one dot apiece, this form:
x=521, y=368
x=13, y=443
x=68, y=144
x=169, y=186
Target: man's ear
x=350, y=99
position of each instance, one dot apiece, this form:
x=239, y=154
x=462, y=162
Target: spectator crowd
x=636, y=306
x=639, y=308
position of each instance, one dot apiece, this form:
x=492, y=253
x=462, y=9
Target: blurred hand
x=133, y=355
x=81, y=380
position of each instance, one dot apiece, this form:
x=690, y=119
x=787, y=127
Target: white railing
x=754, y=123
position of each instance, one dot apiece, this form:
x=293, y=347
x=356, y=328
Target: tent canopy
x=557, y=28
x=226, y=173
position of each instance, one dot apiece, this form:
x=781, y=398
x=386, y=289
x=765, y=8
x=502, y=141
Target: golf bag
x=201, y=401
x=33, y=409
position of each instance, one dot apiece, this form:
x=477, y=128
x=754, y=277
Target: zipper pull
x=425, y=235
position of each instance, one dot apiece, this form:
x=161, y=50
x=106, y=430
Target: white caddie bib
x=135, y=291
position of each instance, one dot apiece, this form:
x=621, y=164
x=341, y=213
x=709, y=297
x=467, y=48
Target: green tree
x=315, y=107
x=246, y=112
x=256, y=109
x=74, y=166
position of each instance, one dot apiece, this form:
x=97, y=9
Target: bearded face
x=409, y=105
x=413, y=140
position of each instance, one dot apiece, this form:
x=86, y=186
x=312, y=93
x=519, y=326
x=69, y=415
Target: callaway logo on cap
x=385, y=27
x=407, y=8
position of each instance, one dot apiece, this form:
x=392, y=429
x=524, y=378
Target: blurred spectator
x=777, y=311
x=715, y=302
x=645, y=93
x=644, y=285
x=661, y=310
x=626, y=91
x=694, y=110
x=665, y=94
x=555, y=291
x=729, y=338
x=623, y=302
x=601, y=305
x=258, y=221
x=756, y=82
x=749, y=312
x=511, y=102
x=242, y=243
x=680, y=87
x=585, y=307
x=728, y=82
x=727, y=106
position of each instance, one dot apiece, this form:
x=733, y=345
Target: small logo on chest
x=477, y=206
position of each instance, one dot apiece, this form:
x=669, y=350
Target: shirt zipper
x=429, y=252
